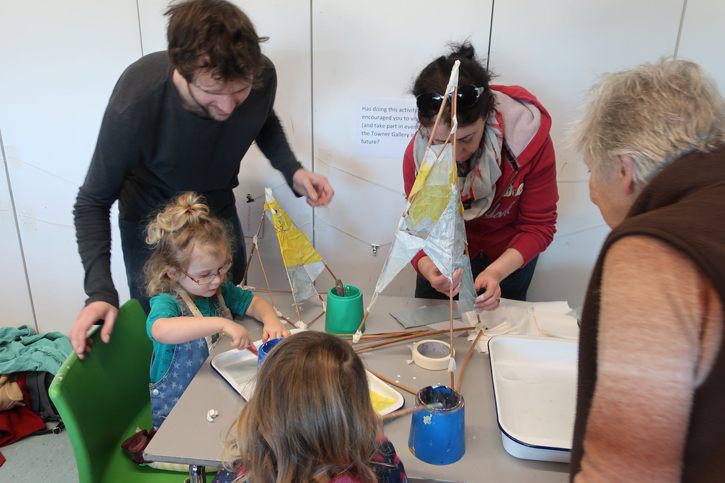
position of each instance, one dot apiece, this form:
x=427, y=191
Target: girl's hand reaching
x=240, y=336
x=265, y=313
x=274, y=329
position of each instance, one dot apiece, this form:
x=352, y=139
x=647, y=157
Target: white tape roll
x=432, y=354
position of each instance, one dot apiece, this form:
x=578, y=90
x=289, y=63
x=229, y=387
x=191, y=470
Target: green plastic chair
x=105, y=397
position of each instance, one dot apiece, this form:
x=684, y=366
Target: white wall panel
x=14, y=292
x=373, y=51
x=703, y=37
x=60, y=63
x=556, y=49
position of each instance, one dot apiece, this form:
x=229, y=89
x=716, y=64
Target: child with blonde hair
x=191, y=302
x=310, y=420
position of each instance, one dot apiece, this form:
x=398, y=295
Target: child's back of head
x=310, y=418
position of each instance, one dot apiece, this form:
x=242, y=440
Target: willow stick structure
x=468, y=356
x=264, y=272
x=454, y=106
x=435, y=332
x=254, y=245
x=404, y=388
x=320, y=315
x=269, y=290
x=328, y=269
x=450, y=297
x=367, y=312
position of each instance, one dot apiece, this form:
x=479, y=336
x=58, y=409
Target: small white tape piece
x=324, y=305
x=301, y=325
x=409, y=361
x=356, y=337
x=268, y=195
x=254, y=240
x=279, y=314
x=432, y=355
x=451, y=365
x=211, y=415
x=453, y=80
x=247, y=287
x=479, y=327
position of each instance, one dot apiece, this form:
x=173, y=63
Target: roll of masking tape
x=432, y=354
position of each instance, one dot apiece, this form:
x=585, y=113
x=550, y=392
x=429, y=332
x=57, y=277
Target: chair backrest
x=99, y=397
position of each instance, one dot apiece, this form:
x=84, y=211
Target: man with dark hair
x=178, y=121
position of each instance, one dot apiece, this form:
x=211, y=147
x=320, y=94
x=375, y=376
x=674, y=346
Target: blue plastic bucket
x=264, y=349
x=438, y=436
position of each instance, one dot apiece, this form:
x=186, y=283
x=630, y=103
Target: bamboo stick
x=400, y=333
x=450, y=296
x=435, y=332
x=435, y=125
x=297, y=308
x=321, y=313
x=271, y=290
x=370, y=338
x=454, y=107
x=404, y=388
x=328, y=269
x=251, y=253
x=264, y=272
x=361, y=325
x=470, y=351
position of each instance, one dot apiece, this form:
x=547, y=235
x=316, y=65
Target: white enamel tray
x=534, y=386
x=239, y=369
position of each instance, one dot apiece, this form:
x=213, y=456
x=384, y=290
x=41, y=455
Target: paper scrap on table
x=555, y=321
x=543, y=319
x=424, y=316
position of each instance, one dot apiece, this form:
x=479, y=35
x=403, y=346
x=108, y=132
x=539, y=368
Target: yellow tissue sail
x=433, y=222
x=301, y=260
x=433, y=219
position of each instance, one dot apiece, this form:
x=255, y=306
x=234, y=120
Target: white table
x=187, y=437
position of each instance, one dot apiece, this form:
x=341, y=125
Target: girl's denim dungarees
x=185, y=363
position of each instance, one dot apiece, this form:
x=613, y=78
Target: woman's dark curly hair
x=434, y=79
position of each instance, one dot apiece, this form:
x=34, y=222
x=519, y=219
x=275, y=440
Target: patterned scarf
x=478, y=175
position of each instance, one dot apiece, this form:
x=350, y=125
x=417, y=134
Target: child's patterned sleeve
x=387, y=465
x=225, y=476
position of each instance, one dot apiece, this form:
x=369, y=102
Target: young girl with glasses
x=310, y=419
x=506, y=176
x=191, y=302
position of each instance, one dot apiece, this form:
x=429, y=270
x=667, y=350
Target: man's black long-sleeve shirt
x=150, y=149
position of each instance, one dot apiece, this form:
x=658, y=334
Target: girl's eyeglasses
x=207, y=279
x=430, y=102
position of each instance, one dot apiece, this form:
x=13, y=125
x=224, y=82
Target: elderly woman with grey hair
x=651, y=394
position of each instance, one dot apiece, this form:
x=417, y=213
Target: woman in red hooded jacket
x=507, y=177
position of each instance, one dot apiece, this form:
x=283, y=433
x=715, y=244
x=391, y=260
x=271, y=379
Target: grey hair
x=654, y=113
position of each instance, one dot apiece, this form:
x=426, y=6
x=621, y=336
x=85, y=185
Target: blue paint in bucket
x=438, y=436
x=264, y=350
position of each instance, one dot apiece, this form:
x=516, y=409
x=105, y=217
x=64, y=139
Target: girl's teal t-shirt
x=165, y=306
